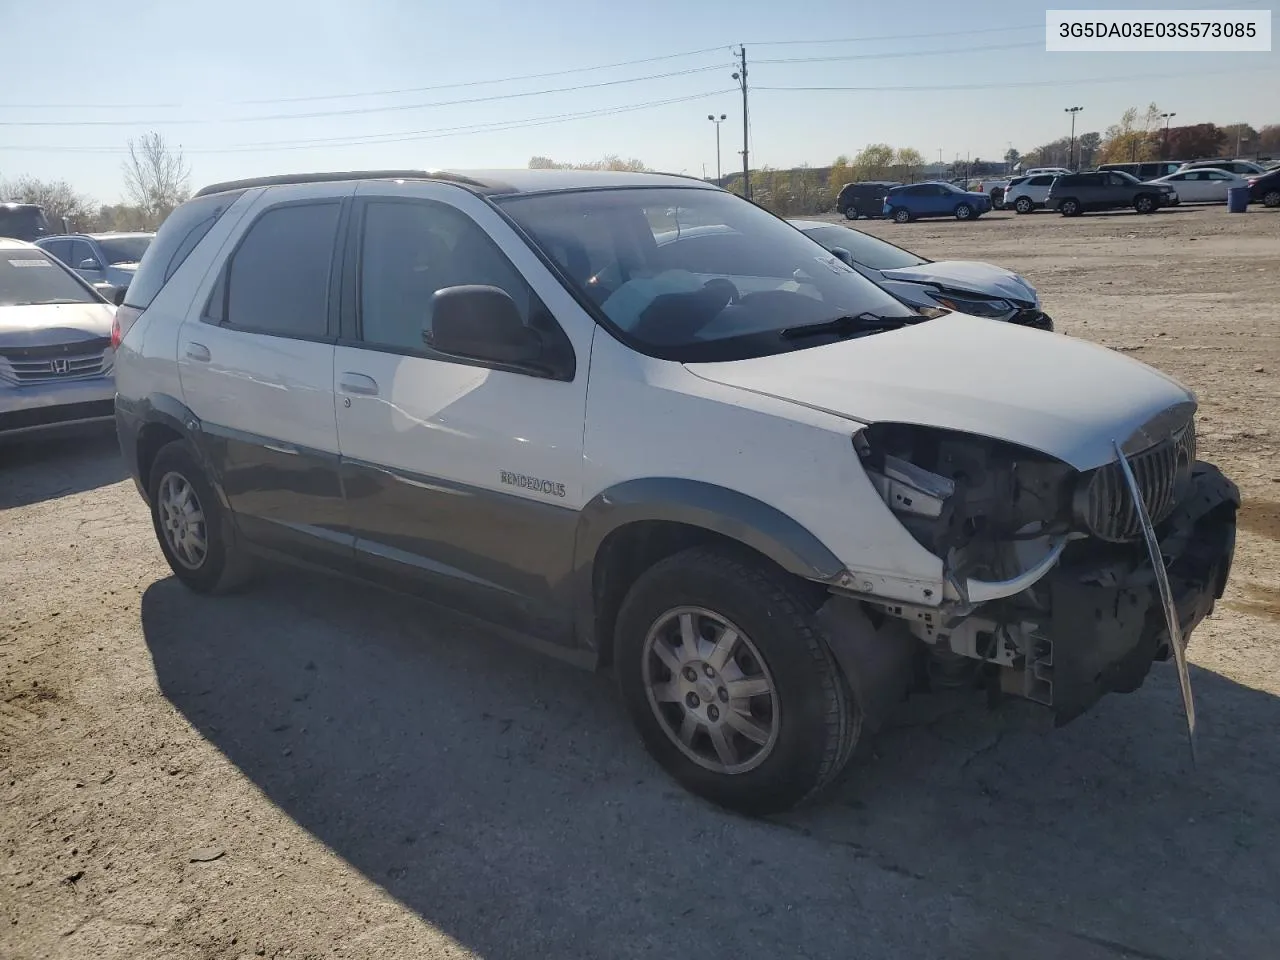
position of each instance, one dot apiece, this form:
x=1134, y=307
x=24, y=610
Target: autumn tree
x=872, y=162
x=156, y=177
x=1087, y=147
x=1195, y=141
x=1133, y=138
x=58, y=198
x=1239, y=138
x=907, y=162
x=607, y=162
x=1268, y=140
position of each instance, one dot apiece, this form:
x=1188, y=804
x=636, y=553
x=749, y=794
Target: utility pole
x=717, y=121
x=1071, y=150
x=741, y=77
x=1165, y=117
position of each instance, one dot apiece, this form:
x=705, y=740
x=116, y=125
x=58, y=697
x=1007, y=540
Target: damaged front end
x=1050, y=591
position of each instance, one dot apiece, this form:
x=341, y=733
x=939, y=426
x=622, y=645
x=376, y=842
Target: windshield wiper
x=846, y=325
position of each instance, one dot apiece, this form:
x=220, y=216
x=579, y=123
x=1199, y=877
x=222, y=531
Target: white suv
x=1030, y=192
x=768, y=495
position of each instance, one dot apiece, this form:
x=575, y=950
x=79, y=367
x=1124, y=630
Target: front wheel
x=901, y=215
x=194, y=531
x=964, y=212
x=1022, y=205
x=1271, y=198
x=1069, y=208
x=851, y=213
x=1144, y=204
x=730, y=683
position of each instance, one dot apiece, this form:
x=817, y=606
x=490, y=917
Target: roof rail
x=288, y=178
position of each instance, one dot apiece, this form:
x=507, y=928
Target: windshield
x=32, y=276
x=867, y=250
x=692, y=274
x=23, y=223
x=123, y=249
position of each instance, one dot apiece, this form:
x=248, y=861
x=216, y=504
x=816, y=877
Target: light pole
x=1071, y=150
x=1165, y=117
x=1240, y=139
x=717, y=121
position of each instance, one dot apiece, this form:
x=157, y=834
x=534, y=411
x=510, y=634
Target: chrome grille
x=1162, y=472
x=68, y=361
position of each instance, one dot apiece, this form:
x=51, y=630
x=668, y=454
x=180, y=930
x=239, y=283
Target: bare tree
x=156, y=177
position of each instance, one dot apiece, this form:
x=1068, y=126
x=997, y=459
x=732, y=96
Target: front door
x=463, y=478
x=257, y=369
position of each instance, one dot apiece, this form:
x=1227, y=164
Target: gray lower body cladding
x=1106, y=625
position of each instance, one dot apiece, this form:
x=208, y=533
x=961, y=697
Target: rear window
x=175, y=239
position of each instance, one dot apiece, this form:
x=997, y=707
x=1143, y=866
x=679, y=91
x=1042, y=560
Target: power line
x=386, y=108
x=907, y=53
x=1006, y=84
x=903, y=36
x=399, y=136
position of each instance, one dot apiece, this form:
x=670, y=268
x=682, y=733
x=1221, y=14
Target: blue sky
x=194, y=71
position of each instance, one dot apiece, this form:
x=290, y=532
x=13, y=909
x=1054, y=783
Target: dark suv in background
x=23, y=221
x=865, y=199
x=1078, y=193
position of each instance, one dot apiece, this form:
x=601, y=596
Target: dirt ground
x=315, y=769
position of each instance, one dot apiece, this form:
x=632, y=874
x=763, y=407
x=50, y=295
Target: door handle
x=198, y=351
x=358, y=383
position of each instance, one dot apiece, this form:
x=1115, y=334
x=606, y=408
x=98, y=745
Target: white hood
x=42, y=325
x=1064, y=397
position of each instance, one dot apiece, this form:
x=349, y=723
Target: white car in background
x=1027, y=193
x=55, y=344
x=1202, y=185
x=1053, y=171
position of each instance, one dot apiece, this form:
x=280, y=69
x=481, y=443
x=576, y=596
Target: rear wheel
x=194, y=530
x=901, y=215
x=964, y=212
x=1144, y=203
x=1069, y=207
x=730, y=683
x=1023, y=205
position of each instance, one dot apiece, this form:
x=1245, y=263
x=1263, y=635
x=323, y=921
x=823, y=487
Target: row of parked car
x=1146, y=187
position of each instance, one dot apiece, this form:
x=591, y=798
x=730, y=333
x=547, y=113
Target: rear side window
x=278, y=279
x=1042, y=181
x=176, y=238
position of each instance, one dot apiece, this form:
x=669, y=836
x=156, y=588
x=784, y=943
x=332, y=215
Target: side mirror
x=89, y=264
x=118, y=297
x=842, y=254
x=481, y=323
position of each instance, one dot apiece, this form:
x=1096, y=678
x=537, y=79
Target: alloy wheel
x=710, y=690
x=182, y=521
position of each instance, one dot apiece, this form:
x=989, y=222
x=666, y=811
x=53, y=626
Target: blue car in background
x=935, y=199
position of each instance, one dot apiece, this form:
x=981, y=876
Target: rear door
x=462, y=478
x=257, y=368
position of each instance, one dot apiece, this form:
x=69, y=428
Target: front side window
x=867, y=250
x=278, y=279
x=409, y=250
x=83, y=257
x=123, y=249
x=693, y=274
x=32, y=276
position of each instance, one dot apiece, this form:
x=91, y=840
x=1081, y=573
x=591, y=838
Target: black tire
x=851, y=213
x=1069, y=207
x=900, y=215
x=1145, y=203
x=1023, y=205
x=225, y=565
x=818, y=720
x=964, y=212
x=1271, y=198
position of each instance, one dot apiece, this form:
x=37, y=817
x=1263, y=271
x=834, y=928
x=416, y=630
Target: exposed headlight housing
x=978, y=307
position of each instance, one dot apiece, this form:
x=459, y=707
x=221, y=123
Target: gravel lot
x=317, y=769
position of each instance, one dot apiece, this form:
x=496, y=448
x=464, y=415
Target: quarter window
x=409, y=250
x=278, y=279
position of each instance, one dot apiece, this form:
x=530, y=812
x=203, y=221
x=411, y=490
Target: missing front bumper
x=1107, y=623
